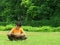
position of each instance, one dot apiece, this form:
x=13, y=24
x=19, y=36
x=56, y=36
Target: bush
x=2, y=28
x=57, y=29
x=42, y=29
x=9, y=27
x=32, y=29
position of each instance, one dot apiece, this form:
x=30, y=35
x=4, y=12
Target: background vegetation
x=36, y=14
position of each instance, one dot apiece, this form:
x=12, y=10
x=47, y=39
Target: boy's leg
x=15, y=37
x=21, y=36
x=10, y=37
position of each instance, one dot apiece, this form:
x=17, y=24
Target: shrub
x=32, y=29
x=9, y=27
x=42, y=29
x=2, y=28
x=57, y=29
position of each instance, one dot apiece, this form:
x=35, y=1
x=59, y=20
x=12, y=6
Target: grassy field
x=34, y=38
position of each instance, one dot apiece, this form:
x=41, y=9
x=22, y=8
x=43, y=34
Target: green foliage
x=32, y=29
x=44, y=22
x=43, y=11
x=33, y=11
x=26, y=3
x=42, y=29
x=39, y=12
x=9, y=27
x=3, y=23
x=2, y=28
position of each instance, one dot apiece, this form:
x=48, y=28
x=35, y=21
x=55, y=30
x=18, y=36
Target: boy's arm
x=23, y=31
x=11, y=31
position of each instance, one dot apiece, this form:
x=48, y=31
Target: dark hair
x=18, y=24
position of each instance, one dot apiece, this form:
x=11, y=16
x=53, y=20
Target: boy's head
x=18, y=25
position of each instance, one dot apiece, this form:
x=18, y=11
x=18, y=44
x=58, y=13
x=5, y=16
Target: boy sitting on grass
x=17, y=33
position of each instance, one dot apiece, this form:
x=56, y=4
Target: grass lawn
x=34, y=38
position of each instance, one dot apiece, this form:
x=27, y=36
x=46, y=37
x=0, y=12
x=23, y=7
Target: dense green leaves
x=14, y=10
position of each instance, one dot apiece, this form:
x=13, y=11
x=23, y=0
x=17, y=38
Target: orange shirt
x=15, y=31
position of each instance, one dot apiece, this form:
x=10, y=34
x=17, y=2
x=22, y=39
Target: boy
x=17, y=33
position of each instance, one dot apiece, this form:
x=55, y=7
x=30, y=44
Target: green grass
x=34, y=38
